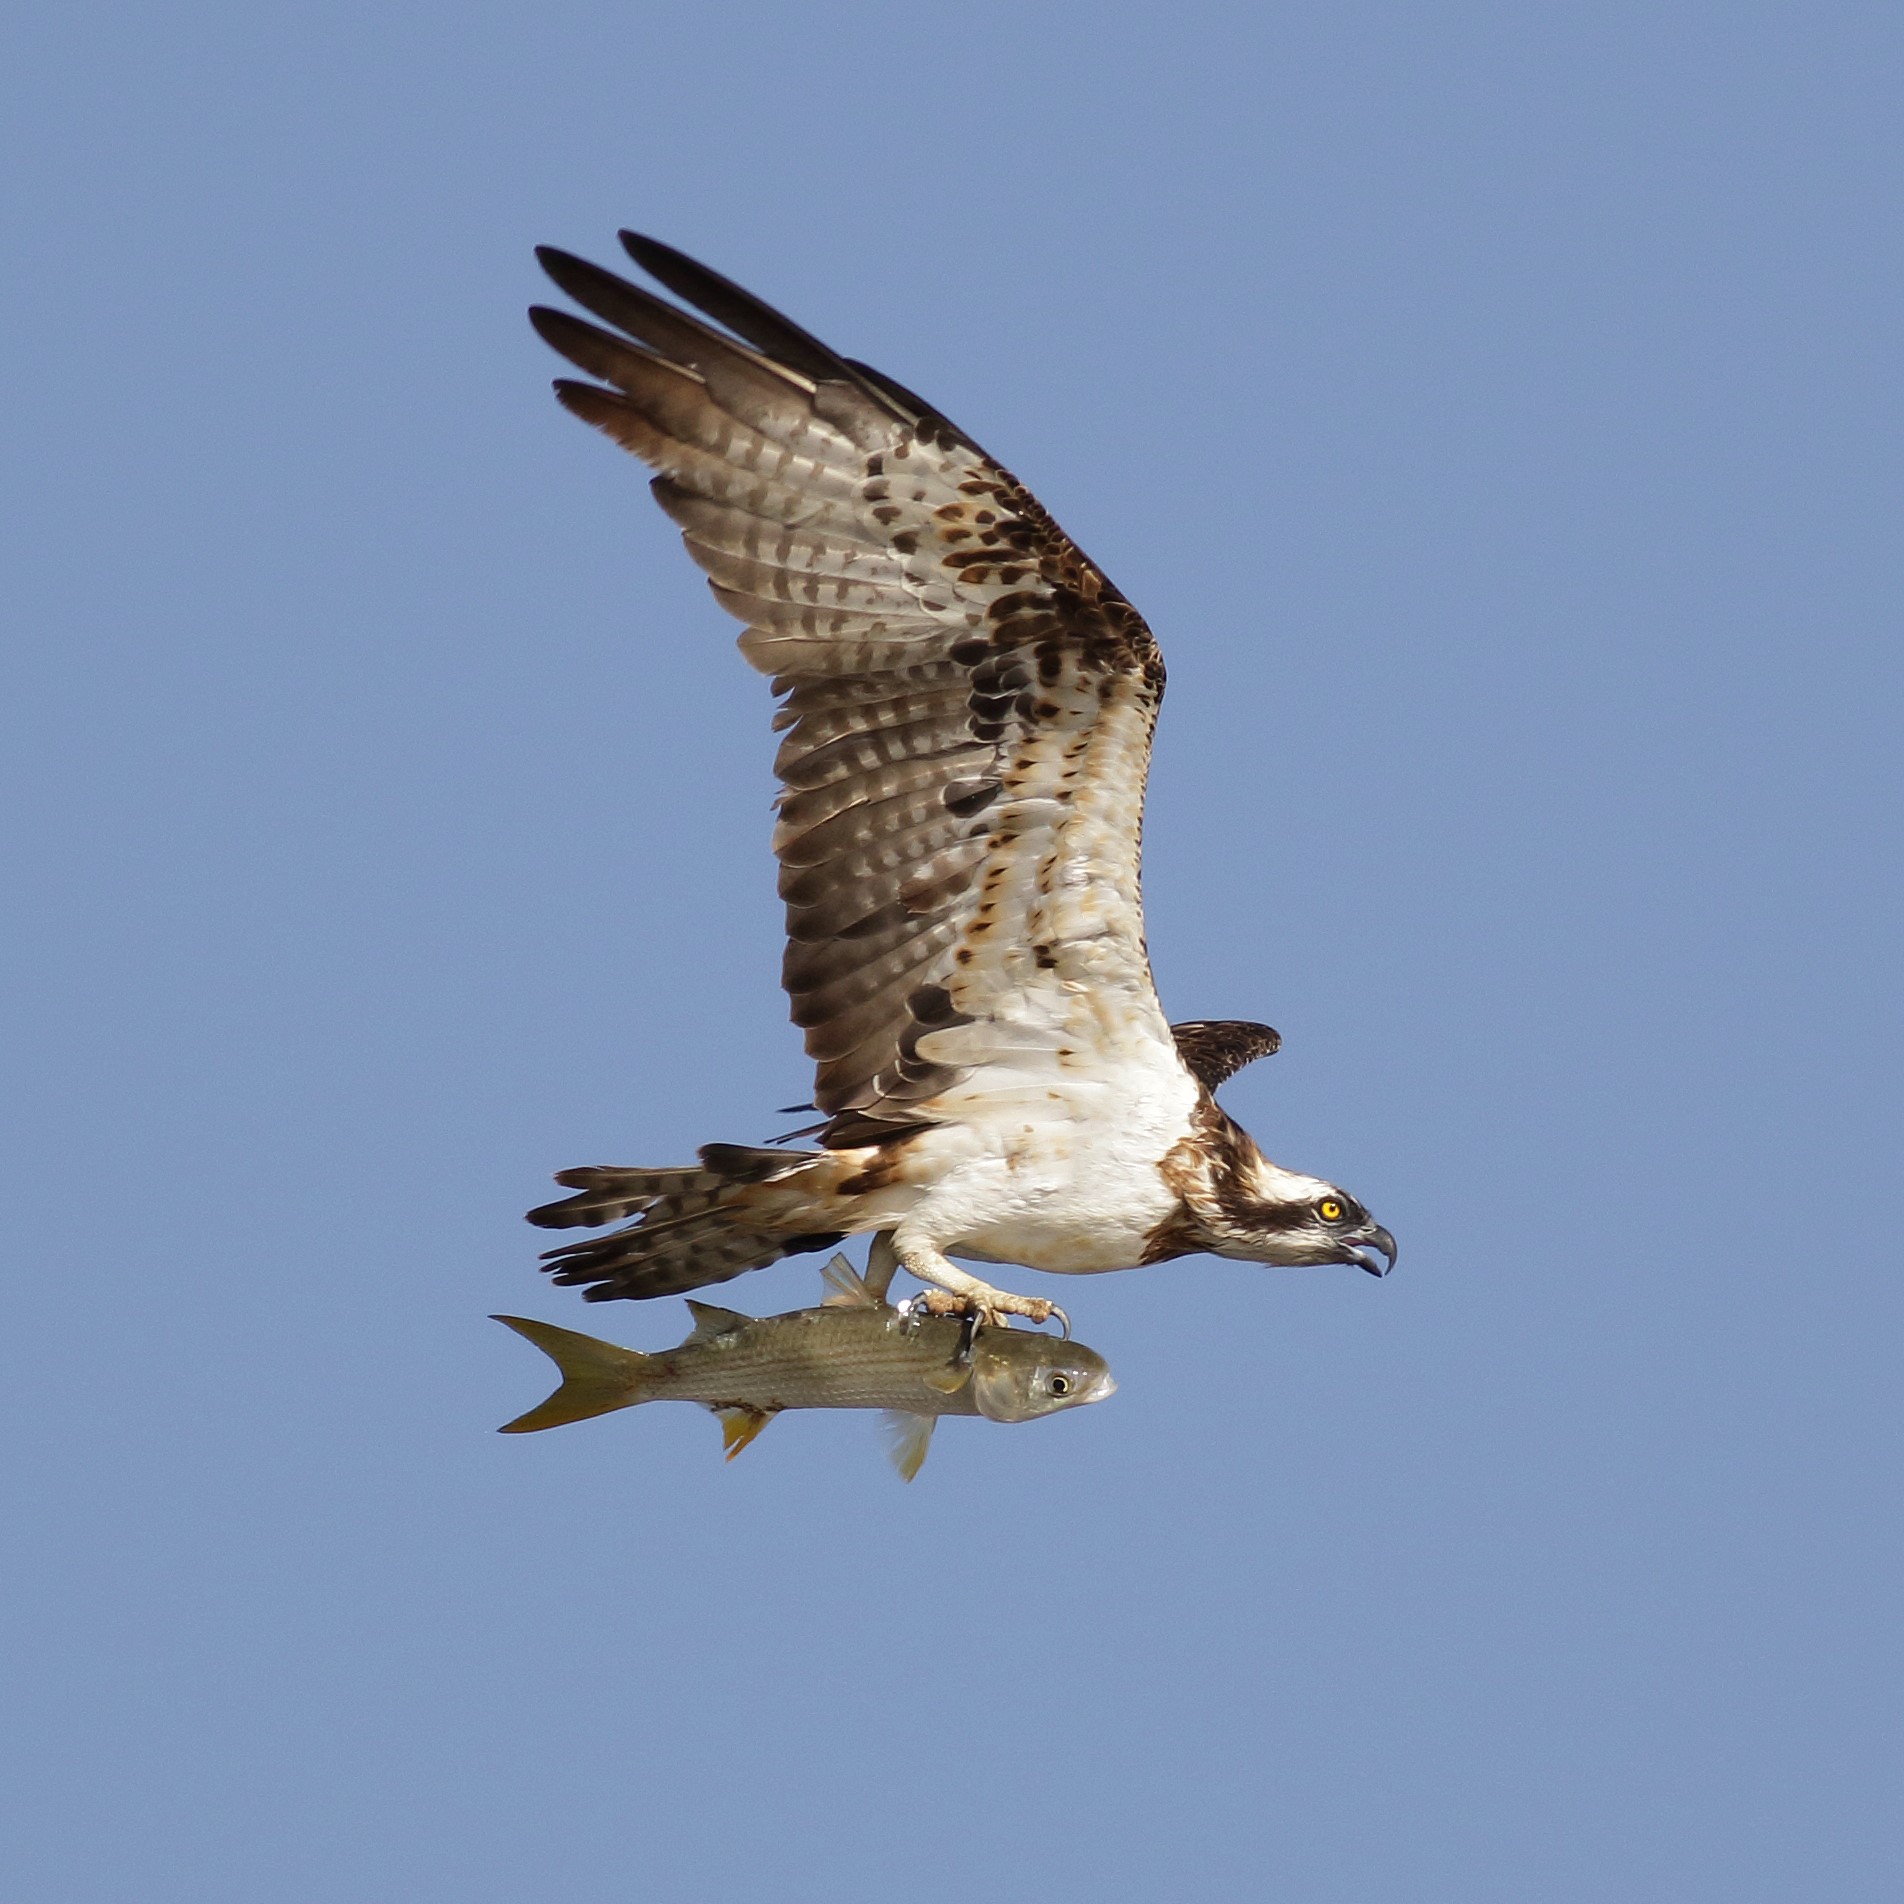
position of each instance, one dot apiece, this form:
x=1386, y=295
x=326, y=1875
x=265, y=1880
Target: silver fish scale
x=817, y=1358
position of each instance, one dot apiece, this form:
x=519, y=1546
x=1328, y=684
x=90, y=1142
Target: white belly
x=1066, y=1197
x=1070, y=1242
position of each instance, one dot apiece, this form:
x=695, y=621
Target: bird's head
x=1270, y=1215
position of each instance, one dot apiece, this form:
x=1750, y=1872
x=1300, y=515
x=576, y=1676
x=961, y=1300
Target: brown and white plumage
x=966, y=713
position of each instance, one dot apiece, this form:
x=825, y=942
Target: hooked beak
x=1365, y=1258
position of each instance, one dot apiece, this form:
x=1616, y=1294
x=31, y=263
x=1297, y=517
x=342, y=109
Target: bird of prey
x=966, y=706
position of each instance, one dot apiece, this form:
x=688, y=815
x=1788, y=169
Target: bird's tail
x=597, y=1377
x=739, y=1209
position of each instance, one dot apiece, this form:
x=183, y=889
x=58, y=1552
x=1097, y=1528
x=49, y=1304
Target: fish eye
x=1330, y=1209
x=1060, y=1384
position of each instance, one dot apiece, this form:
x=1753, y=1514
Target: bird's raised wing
x=1216, y=1049
x=967, y=702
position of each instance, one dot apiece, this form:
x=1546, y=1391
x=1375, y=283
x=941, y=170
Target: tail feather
x=597, y=1377
x=740, y=1209
x=607, y=1193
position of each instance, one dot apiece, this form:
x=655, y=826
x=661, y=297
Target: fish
x=853, y=1351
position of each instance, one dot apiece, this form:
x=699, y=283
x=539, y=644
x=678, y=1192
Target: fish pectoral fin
x=908, y=1436
x=950, y=1379
x=844, y=1287
x=710, y=1320
x=739, y=1425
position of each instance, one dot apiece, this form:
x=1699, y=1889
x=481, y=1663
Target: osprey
x=966, y=705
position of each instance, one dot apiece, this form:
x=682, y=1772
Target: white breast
x=1061, y=1174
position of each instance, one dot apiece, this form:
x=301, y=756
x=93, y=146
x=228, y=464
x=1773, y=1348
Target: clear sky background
x=1495, y=410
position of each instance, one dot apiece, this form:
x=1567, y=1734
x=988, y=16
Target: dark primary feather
x=966, y=700
x=771, y=333
x=727, y=303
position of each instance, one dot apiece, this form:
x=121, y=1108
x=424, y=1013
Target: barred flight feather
x=967, y=701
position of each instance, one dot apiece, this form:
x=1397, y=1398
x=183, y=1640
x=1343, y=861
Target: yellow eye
x=1329, y=1210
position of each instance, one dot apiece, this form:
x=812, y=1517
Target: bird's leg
x=955, y=1293
x=881, y=1260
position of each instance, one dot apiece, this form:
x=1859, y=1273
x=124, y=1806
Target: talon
x=1037, y=1309
x=992, y=1310
x=968, y=1335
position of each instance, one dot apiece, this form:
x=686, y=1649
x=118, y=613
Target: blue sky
x=1495, y=410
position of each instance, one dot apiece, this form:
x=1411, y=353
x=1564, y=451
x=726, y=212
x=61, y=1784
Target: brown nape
x=1186, y=1169
x=1210, y=1170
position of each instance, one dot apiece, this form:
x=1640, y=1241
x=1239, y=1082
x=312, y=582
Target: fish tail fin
x=597, y=1377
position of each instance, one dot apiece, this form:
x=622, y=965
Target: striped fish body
x=817, y=1358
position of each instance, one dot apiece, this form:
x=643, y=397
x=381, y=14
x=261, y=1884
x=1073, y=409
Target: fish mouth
x=1366, y=1259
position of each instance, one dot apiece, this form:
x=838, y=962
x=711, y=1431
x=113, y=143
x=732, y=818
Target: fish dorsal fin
x=908, y=1436
x=845, y=1288
x=711, y=1320
x=739, y=1426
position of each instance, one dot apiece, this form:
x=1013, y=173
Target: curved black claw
x=968, y=1335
